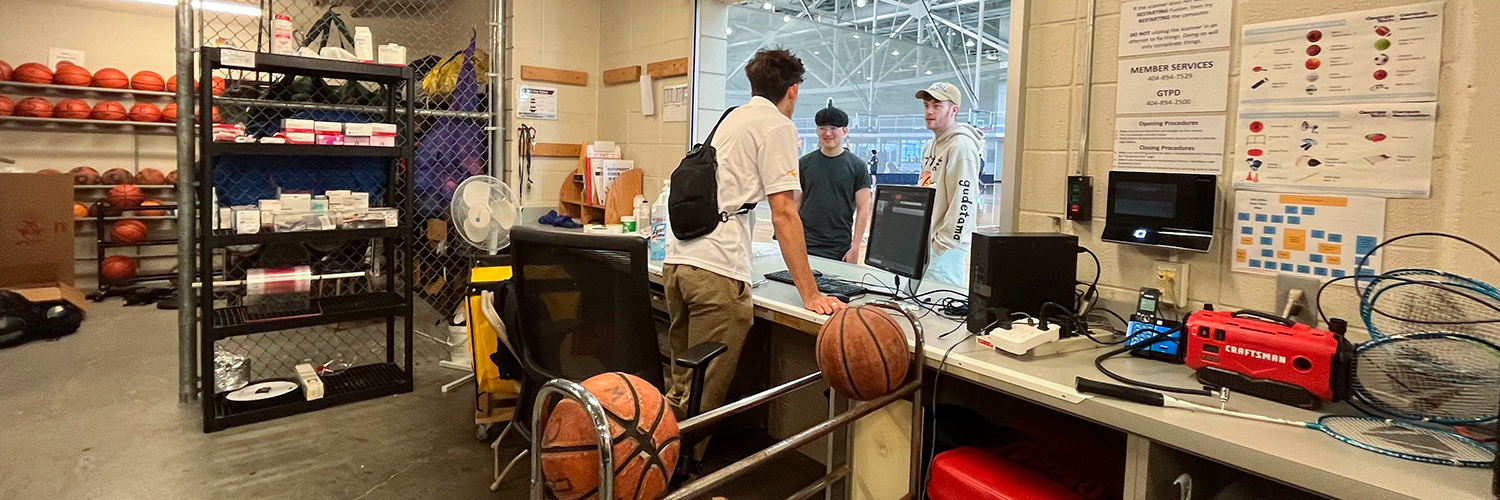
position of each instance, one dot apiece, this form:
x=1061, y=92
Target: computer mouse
x=842, y=298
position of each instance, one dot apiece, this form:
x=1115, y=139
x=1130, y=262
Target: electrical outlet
x=1172, y=280
x=1306, y=311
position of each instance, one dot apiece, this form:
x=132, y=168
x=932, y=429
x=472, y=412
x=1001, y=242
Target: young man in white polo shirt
x=708, y=278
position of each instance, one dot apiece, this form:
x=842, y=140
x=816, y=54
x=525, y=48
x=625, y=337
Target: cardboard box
x=329, y=133
x=294, y=125
x=383, y=135
x=36, y=233
x=295, y=202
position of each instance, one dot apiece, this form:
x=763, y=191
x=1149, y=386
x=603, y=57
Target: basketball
x=172, y=84
x=151, y=213
x=862, y=353
x=72, y=108
x=116, y=176
x=644, y=432
x=145, y=112
x=5, y=71
x=48, y=171
x=108, y=110
x=32, y=73
x=80, y=210
x=117, y=267
x=94, y=208
x=72, y=74
x=126, y=196
x=219, y=85
x=85, y=175
x=111, y=78
x=127, y=231
x=147, y=80
x=172, y=178
x=7, y=106
x=169, y=112
x=34, y=107
x=150, y=177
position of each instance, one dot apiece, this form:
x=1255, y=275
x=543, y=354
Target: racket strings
x=1408, y=440
x=1438, y=377
x=1411, y=301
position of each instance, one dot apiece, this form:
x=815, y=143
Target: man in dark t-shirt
x=835, y=192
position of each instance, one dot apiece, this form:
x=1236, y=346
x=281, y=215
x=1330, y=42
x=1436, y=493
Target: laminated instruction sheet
x=1371, y=149
x=1309, y=235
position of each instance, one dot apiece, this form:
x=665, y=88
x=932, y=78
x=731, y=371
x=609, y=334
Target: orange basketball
x=125, y=196
x=145, y=112
x=219, y=85
x=5, y=71
x=127, y=231
x=108, y=110
x=49, y=171
x=169, y=112
x=72, y=74
x=150, y=176
x=151, y=213
x=72, y=108
x=111, y=78
x=80, y=210
x=172, y=178
x=32, y=73
x=85, y=175
x=117, y=267
x=116, y=176
x=172, y=84
x=642, y=427
x=7, y=106
x=862, y=353
x=147, y=80
x=34, y=107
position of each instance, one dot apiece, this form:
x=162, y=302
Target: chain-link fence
x=453, y=131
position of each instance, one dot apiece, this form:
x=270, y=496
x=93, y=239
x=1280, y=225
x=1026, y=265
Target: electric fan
x=484, y=210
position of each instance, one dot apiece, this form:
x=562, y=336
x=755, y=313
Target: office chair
x=581, y=306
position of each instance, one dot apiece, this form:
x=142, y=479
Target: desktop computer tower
x=1018, y=272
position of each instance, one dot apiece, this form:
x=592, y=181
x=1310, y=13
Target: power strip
x=1020, y=338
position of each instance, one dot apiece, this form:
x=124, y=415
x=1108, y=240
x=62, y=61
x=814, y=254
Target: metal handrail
x=576, y=392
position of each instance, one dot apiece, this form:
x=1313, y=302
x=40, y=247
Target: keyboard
x=825, y=284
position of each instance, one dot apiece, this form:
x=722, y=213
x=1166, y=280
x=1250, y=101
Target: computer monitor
x=899, y=230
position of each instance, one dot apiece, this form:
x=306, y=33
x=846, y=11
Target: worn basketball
x=5, y=71
x=85, y=175
x=147, y=80
x=145, y=112
x=862, y=353
x=111, y=78
x=80, y=210
x=116, y=176
x=49, y=171
x=219, y=85
x=72, y=108
x=642, y=428
x=126, y=196
x=127, y=231
x=108, y=110
x=172, y=84
x=172, y=177
x=7, y=106
x=32, y=73
x=150, y=177
x=151, y=213
x=169, y=112
x=34, y=107
x=117, y=267
x=72, y=74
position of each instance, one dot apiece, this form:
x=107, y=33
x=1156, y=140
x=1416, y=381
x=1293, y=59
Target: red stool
x=970, y=473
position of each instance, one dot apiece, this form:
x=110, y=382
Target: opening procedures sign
x=1174, y=144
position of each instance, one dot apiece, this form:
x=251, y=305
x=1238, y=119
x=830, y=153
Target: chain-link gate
x=456, y=137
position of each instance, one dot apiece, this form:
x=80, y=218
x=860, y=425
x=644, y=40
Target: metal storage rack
x=379, y=299
x=104, y=217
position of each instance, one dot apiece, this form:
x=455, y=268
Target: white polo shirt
x=757, y=153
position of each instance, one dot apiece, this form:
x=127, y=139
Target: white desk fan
x=483, y=211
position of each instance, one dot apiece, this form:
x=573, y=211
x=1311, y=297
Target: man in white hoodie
x=950, y=164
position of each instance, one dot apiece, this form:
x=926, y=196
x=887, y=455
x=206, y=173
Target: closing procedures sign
x=1174, y=144
x=1178, y=83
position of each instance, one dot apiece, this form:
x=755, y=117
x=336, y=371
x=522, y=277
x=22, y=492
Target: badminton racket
x=1424, y=300
x=1386, y=437
x=1440, y=377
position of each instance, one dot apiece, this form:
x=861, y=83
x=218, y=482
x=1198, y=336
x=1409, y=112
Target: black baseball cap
x=831, y=116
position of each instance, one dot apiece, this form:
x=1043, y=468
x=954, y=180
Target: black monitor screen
x=899, y=229
x=1146, y=199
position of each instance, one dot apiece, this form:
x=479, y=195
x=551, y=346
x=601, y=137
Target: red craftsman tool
x=1269, y=356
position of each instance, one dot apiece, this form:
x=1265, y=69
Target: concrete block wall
x=1464, y=193
x=562, y=34
x=637, y=33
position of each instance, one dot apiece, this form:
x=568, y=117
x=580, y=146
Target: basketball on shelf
x=147, y=80
x=72, y=74
x=145, y=112
x=85, y=175
x=219, y=85
x=32, y=73
x=34, y=107
x=108, y=110
x=117, y=267
x=116, y=176
x=151, y=213
x=172, y=178
x=7, y=106
x=172, y=84
x=150, y=177
x=642, y=427
x=126, y=196
x=169, y=112
x=111, y=78
x=49, y=171
x=862, y=353
x=80, y=210
x=72, y=108
x=127, y=231
x=5, y=71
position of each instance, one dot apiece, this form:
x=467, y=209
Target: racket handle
x=1132, y=394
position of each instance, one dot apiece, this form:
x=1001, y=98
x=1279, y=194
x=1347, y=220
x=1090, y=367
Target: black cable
x=1094, y=285
x=1099, y=363
x=1074, y=323
x=932, y=446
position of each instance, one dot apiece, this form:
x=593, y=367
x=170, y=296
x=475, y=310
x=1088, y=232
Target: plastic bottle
x=642, y=212
x=659, y=226
x=281, y=35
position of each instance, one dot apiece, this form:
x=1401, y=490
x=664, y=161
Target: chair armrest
x=700, y=355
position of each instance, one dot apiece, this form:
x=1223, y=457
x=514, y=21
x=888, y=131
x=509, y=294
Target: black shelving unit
x=105, y=216
x=222, y=320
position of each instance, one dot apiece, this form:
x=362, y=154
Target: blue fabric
x=452, y=150
x=952, y=267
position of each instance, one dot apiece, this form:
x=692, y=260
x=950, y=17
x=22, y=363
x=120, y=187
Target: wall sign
x=1172, y=144
x=536, y=102
x=1178, y=83
x=1373, y=149
x=1320, y=237
x=1157, y=26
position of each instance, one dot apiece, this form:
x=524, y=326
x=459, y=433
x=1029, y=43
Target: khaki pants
x=706, y=307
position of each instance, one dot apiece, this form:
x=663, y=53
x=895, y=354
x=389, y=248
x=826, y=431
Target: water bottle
x=659, y=227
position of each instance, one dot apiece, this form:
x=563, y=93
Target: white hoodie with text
x=950, y=165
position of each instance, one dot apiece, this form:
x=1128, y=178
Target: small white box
x=358, y=201
x=329, y=133
x=247, y=221
x=383, y=135
x=391, y=54
x=312, y=384
x=270, y=205
x=290, y=125
x=296, y=202
x=391, y=216
x=300, y=138
x=319, y=204
x=336, y=198
x=358, y=130
x=358, y=141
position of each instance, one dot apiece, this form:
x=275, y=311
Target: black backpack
x=693, y=203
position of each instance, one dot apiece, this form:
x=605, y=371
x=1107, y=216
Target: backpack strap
x=710, y=139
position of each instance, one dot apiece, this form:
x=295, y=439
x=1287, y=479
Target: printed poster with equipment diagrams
x=1370, y=149
x=1316, y=236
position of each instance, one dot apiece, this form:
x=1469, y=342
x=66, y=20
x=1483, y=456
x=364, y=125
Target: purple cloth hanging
x=453, y=149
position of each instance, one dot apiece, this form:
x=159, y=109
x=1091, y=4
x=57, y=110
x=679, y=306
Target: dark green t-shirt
x=828, y=187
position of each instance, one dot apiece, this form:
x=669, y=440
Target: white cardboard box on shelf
x=247, y=220
x=296, y=202
x=329, y=133
x=358, y=134
x=290, y=125
x=383, y=135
